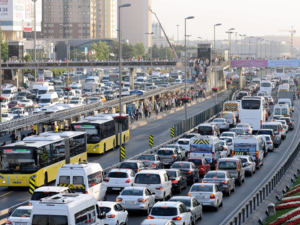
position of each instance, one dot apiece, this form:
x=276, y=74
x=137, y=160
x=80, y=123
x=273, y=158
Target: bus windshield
x=17, y=160
x=92, y=131
x=251, y=104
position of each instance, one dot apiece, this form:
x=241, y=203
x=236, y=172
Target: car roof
x=120, y=170
x=134, y=188
x=182, y=197
x=24, y=207
x=155, y=221
x=106, y=203
x=158, y=204
x=150, y=171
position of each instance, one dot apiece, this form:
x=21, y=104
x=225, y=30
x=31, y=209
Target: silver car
x=191, y=204
x=137, y=198
x=222, y=123
x=248, y=164
x=179, y=149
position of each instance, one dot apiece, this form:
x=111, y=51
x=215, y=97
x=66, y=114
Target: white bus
x=252, y=111
x=266, y=85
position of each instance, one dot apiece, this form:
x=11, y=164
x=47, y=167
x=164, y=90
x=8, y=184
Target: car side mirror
x=102, y=216
x=152, y=193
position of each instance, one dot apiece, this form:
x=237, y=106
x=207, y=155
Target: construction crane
x=292, y=31
x=171, y=47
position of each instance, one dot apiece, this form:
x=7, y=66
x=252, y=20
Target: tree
x=114, y=49
x=140, y=49
x=101, y=50
x=128, y=51
x=4, y=50
x=27, y=58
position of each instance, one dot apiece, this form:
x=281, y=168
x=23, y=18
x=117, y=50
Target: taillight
x=111, y=216
x=174, y=181
x=189, y=194
x=212, y=196
x=174, y=156
x=224, y=182
x=270, y=142
x=127, y=181
x=257, y=154
x=30, y=204
x=106, y=179
x=8, y=222
x=86, y=192
x=190, y=172
x=138, y=170
x=289, y=123
x=176, y=218
x=153, y=165
x=224, y=123
x=142, y=200
x=159, y=188
x=119, y=200
x=150, y=217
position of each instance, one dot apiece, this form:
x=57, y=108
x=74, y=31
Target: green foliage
x=139, y=49
x=4, y=51
x=101, y=50
x=77, y=55
x=129, y=51
x=27, y=58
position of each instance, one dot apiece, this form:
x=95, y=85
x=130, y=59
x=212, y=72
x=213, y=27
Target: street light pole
x=178, y=33
x=215, y=56
x=151, y=59
x=120, y=72
x=34, y=42
x=185, y=62
x=229, y=32
x=67, y=45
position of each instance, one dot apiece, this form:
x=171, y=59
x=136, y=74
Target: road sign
x=122, y=152
x=31, y=185
x=172, y=132
x=151, y=141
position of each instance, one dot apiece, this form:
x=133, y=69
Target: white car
x=248, y=164
x=270, y=143
x=185, y=144
x=175, y=211
x=222, y=123
x=226, y=149
x=27, y=103
x=284, y=124
x=137, y=198
x=157, y=222
x=115, y=213
x=245, y=126
x=117, y=179
x=207, y=194
x=6, y=117
x=228, y=134
x=20, y=215
x=191, y=204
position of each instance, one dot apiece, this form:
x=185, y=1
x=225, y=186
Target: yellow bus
x=39, y=157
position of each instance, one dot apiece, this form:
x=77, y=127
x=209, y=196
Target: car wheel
x=221, y=204
x=216, y=208
x=228, y=192
x=233, y=189
x=185, y=186
x=126, y=221
x=170, y=195
x=193, y=221
x=147, y=211
x=164, y=198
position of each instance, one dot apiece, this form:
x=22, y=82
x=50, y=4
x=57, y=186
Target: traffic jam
x=209, y=162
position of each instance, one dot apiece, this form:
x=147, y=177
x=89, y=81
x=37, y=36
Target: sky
x=250, y=17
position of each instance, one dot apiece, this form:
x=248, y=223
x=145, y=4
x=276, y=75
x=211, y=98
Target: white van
x=9, y=93
x=45, y=90
x=266, y=86
x=282, y=109
x=283, y=88
x=47, y=191
x=86, y=178
x=157, y=181
x=67, y=209
x=286, y=101
x=48, y=99
x=250, y=145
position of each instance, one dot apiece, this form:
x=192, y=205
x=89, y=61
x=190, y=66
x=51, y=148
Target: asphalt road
x=137, y=144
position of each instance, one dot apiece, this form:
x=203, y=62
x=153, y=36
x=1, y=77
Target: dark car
x=289, y=122
x=187, y=169
x=241, y=94
x=179, y=182
x=26, y=94
x=223, y=179
x=135, y=165
x=209, y=129
x=151, y=161
x=201, y=164
x=276, y=140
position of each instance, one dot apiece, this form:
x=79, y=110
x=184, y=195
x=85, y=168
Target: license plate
x=20, y=223
x=116, y=189
x=201, y=197
x=130, y=202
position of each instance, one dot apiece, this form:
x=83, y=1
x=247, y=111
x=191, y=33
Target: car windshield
x=146, y=157
x=202, y=188
x=172, y=174
x=219, y=120
x=41, y=92
x=127, y=165
x=242, y=125
x=147, y=179
x=205, y=130
x=181, y=165
x=54, y=219
x=183, y=142
x=104, y=209
x=164, y=211
x=227, y=165
x=165, y=152
x=22, y=94
x=117, y=175
x=238, y=131
x=133, y=192
x=264, y=132
x=197, y=162
x=227, y=134
x=45, y=100
x=21, y=213
x=215, y=175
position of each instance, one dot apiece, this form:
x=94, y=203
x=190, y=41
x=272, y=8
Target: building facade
x=136, y=21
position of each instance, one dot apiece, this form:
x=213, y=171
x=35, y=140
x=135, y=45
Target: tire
x=114, y=146
x=164, y=198
x=126, y=221
x=216, y=208
x=46, y=179
x=147, y=212
x=193, y=221
x=251, y=173
x=221, y=204
x=228, y=193
x=240, y=182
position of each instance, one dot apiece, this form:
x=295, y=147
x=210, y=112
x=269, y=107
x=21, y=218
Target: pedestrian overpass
x=273, y=63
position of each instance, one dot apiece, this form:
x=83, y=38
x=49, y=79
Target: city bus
x=101, y=134
x=252, y=111
x=39, y=157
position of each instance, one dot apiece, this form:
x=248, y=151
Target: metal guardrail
x=45, y=65
x=65, y=114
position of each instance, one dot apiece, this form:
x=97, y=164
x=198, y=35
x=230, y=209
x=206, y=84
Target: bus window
x=251, y=104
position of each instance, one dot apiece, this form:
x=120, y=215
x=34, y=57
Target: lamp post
x=151, y=59
x=34, y=42
x=120, y=72
x=67, y=44
x=229, y=32
x=215, y=56
x=185, y=62
x=178, y=33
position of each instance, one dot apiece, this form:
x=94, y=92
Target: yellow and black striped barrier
x=151, y=141
x=72, y=186
x=202, y=141
x=172, y=132
x=32, y=186
x=241, y=153
x=122, y=152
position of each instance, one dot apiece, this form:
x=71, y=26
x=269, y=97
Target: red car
x=14, y=103
x=201, y=164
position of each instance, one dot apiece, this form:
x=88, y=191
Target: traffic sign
x=122, y=152
x=172, y=132
x=151, y=141
x=31, y=185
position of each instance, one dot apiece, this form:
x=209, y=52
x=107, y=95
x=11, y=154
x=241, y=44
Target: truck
x=287, y=94
x=48, y=75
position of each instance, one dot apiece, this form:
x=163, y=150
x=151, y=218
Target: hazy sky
x=250, y=17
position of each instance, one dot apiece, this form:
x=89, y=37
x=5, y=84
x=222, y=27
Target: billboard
x=249, y=63
x=6, y=10
x=284, y=63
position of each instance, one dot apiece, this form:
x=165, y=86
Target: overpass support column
x=131, y=74
x=241, y=79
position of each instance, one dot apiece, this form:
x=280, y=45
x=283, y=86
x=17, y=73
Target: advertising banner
x=249, y=63
x=6, y=10
x=284, y=63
